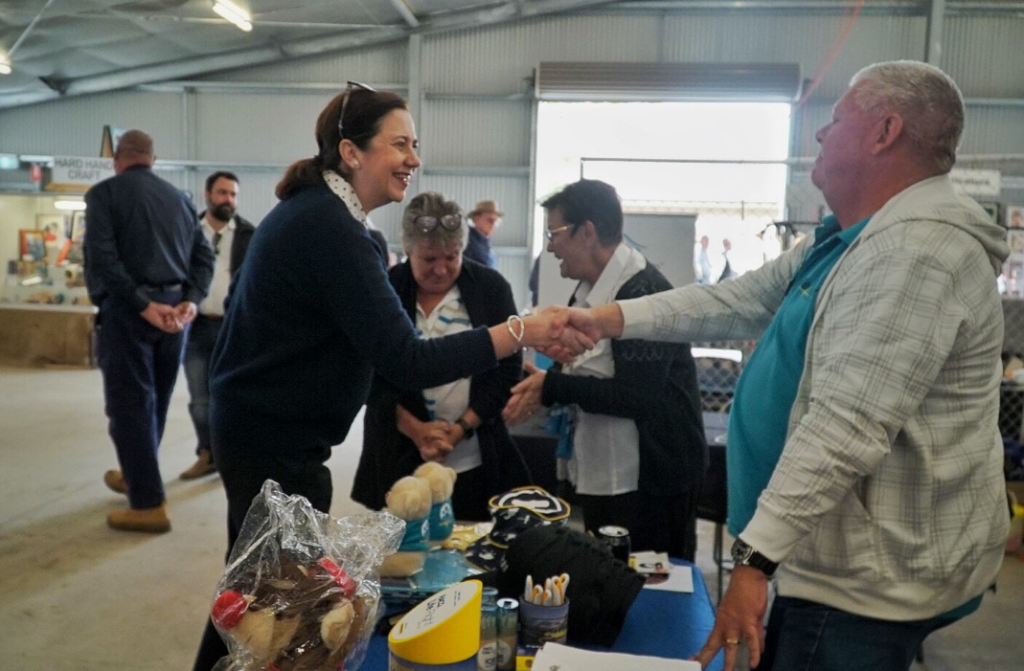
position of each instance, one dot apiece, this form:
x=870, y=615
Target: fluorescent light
x=234, y=14
x=69, y=205
x=5, y=66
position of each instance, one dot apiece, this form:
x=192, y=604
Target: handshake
x=563, y=333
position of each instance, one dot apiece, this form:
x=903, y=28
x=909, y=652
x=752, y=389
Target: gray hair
x=432, y=204
x=925, y=97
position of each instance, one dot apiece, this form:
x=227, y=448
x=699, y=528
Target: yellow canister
x=443, y=632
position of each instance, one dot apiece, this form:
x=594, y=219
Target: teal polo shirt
x=759, y=420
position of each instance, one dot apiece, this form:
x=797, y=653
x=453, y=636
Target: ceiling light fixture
x=5, y=66
x=69, y=205
x=234, y=14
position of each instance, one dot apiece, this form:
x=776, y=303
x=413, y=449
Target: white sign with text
x=80, y=171
x=977, y=182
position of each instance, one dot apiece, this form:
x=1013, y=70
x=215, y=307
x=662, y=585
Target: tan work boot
x=114, y=479
x=149, y=520
x=203, y=466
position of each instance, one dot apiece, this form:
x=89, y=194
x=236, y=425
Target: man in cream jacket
x=864, y=457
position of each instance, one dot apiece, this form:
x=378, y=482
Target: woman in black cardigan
x=458, y=424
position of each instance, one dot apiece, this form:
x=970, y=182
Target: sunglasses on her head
x=427, y=223
x=352, y=86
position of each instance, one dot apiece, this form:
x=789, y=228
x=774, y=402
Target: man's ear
x=589, y=230
x=887, y=131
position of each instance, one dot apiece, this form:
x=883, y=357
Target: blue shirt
x=759, y=421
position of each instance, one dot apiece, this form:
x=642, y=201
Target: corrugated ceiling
x=65, y=47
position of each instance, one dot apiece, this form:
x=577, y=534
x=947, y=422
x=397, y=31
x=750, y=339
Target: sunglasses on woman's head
x=427, y=223
x=352, y=86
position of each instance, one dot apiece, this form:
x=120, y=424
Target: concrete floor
x=77, y=596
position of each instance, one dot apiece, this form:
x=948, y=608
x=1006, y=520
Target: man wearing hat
x=485, y=217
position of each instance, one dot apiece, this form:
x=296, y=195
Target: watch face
x=741, y=552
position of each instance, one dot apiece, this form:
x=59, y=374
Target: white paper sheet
x=555, y=657
x=679, y=580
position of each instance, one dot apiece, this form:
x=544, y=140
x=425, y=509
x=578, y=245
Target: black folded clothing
x=601, y=588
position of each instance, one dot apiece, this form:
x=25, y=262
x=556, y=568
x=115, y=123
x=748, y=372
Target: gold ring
x=732, y=641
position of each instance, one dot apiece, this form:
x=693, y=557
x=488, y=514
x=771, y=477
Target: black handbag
x=601, y=588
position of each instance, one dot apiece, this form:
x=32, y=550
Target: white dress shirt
x=606, y=449
x=213, y=304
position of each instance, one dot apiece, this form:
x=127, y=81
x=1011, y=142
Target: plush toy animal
x=442, y=484
x=409, y=499
x=302, y=617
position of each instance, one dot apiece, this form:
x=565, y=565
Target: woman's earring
x=355, y=164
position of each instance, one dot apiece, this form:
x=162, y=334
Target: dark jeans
x=658, y=523
x=201, y=339
x=803, y=635
x=140, y=366
x=243, y=474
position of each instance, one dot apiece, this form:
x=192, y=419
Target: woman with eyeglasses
x=457, y=424
x=311, y=315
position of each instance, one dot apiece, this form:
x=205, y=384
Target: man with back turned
x=147, y=268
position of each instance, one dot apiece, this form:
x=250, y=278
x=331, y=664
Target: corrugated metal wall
x=806, y=40
x=984, y=55
x=476, y=140
x=256, y=127
x=74, y=127
x=475, y=132
x=499, y=60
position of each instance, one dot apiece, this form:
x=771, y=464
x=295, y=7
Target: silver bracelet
x=522, y=328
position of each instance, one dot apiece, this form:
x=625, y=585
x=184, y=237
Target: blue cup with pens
x=544, y=611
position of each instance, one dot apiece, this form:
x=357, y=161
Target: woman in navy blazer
x=311, y=315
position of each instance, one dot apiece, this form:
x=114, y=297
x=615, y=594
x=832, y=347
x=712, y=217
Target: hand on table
x=526, y=396
x=740, y=617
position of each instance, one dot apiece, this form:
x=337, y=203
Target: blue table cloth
x=659, y=623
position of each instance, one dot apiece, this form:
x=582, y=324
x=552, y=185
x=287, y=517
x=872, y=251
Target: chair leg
x=717, y=556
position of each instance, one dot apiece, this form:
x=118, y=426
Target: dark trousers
x=243, y=474
x=658, y=523
x=140, y=365
x=804, y=636
x=201, y=339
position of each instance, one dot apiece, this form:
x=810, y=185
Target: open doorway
x=718, y=166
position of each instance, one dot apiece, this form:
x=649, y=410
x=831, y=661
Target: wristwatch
x=467, y=430
x=744, y=555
